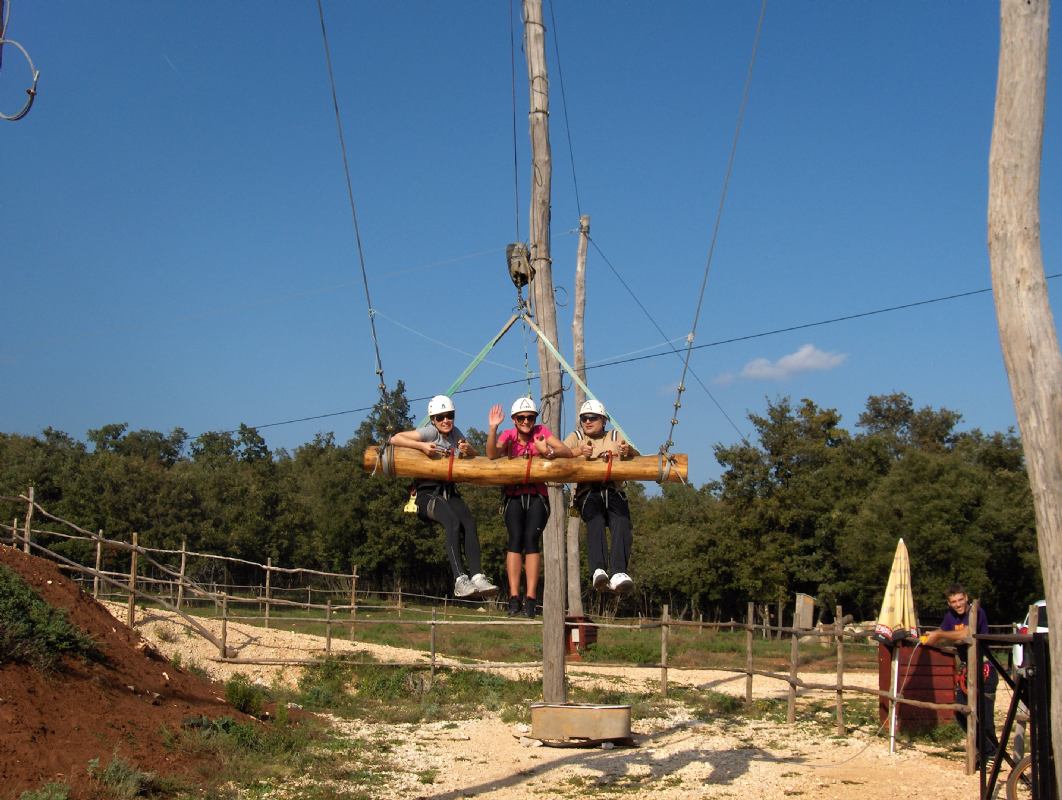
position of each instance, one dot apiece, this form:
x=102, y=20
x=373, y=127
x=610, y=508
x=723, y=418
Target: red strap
x=450, y=467
x=608, y=460
x=527, y=472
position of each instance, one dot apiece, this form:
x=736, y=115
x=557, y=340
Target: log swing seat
x=394, y=461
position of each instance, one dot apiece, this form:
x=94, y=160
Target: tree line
x=805, y=506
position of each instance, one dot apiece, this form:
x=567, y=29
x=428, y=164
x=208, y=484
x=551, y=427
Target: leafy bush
x=33, y=632
x=124, y=780
x=243, y=695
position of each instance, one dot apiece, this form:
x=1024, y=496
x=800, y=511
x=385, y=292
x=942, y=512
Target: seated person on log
x=526, y=505
x=439, y=501
x=603, y=504
x=954, y=630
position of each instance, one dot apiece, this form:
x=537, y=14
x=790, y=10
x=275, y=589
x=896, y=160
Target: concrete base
x=580, y=724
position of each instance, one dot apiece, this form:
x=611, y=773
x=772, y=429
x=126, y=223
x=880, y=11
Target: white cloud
x=807, y=359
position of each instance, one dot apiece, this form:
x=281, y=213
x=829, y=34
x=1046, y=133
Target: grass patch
x=49, y=791
x=244, y=696
x=33, y=632
x=124, y=780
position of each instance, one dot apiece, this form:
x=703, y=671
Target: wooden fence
x=173, y=589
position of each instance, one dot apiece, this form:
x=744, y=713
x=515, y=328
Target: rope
x=353, y=209
x=34, y=72
x=715, y=230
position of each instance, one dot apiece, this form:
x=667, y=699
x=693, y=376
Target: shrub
x=33, y=632
x=243, y=695
x=50, y=791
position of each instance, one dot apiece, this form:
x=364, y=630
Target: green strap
x=567, y=368
x=460, y=381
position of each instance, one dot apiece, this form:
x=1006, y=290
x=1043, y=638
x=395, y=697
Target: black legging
x=452, y=513
x=525, y=518
x=601, y=508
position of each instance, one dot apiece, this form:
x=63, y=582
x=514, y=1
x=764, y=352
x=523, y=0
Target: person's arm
x=412, y=440
x=947, y=637
x=494, y=419
x=464, y=449
x=549, y=446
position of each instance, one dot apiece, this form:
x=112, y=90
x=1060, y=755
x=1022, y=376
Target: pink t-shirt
x=510, y=444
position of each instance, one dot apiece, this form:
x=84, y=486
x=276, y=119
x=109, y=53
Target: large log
x=483, y=471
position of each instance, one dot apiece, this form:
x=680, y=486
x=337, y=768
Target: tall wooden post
x=132, y=582
x=553, y=688
x=665, y=628
x=27, y=533
x=972, y=682
x=184, y=565
x=268, y=588
x=99, y=563
x=354, y=599
x=794, y=661
x=750, y=619
x=838, y=621
x=1026, y=326
x=575, y=592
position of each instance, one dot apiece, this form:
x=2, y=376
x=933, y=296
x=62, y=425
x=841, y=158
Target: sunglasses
x=444, y=415
x=589, y=417
x=525, y=417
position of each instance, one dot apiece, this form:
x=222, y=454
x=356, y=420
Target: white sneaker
x=482, y=586
x=463, y=587
x=621, y=583
x=600, y=580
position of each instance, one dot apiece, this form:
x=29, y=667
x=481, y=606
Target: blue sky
x=177, y=245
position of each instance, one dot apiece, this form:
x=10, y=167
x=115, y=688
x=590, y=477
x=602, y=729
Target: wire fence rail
x=152, y=582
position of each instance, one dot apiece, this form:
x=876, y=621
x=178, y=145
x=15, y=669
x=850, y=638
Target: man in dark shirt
x=955, y=630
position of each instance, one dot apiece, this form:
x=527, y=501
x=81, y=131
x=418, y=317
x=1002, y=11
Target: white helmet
x=440, y=404
x=593, y=407
x=523, y=405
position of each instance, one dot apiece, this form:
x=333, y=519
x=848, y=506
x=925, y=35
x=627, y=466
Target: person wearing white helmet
x=603, y=505
x=526, y=505
x=440, y=501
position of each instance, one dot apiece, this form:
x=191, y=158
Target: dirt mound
x=51, y=725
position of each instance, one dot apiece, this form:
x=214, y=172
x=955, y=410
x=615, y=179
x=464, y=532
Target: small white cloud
x=725, y=379
x=807, y=359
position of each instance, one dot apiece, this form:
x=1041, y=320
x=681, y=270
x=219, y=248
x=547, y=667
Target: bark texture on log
x=483, y=471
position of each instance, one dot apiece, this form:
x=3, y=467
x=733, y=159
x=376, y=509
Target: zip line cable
x=717, y=343
x=715, y=230
x=353, y=208
x=564, y=106
x=674, y=349
x=516, y=164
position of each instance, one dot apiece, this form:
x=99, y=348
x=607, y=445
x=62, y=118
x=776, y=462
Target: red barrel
x=925, y=674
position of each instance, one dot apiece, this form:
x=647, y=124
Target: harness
x=583, y=490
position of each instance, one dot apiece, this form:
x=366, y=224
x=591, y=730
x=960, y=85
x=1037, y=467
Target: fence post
x=28, y=534
x=353, y=599
x=268, y=588
x=184, y=562
x=700, y=622
x=750, y=618
x=132, y=582
x=433, y=643
x=665, y=618
x=838, y=620
x=99, y=563
x=972, y=660
x=328, y=627
x=781, y=609
x=224, y=626
x=794, y=659
x=400, y=601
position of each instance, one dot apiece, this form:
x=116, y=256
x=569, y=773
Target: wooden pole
x=99, y=562
x=184, y=567
x=794, y=661
x=664, y=629
x=781, y=608
x=354, y=599
x=268, y=588
x=1026, y=326
x=750, y=618
x=433, y=644
x=838, y=620
x=328, y=627
x=575, y=592
x=27, y=535
x=132, y=582
x=545, y=309
x=224, y=648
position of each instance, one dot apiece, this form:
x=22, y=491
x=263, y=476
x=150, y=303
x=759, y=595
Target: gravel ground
x=673, y=757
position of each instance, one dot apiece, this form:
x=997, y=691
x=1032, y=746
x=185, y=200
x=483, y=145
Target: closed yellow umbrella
x=898, y=619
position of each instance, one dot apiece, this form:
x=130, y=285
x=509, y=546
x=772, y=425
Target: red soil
x=52, y=724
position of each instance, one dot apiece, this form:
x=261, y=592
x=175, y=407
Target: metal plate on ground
x=580, y=724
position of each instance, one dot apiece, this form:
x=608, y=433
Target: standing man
x=955, y=629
